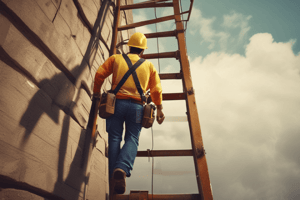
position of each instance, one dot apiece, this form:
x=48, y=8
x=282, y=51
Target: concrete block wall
x=49, y=53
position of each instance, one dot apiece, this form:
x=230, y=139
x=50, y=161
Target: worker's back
x=146, y=73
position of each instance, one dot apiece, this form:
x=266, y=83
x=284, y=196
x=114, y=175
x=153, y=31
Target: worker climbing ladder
x=188, y=95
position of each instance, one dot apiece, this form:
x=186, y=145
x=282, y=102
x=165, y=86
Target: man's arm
x=103, y=72
x=156, y=94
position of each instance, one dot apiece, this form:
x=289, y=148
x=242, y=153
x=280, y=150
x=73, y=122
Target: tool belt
x=107, y=109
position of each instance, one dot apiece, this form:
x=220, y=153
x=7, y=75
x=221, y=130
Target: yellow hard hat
x=138, y=40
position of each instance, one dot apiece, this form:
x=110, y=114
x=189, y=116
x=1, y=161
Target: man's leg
x=114, y=127
x=133, y=127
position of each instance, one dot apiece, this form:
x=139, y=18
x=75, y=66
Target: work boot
x=111, y=188
x=119, y=180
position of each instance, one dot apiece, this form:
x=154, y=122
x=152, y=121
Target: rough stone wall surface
x=49, y=53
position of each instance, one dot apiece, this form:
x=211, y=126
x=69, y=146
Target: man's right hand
x=160, y=117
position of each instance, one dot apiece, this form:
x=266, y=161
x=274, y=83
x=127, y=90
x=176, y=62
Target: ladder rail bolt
x=191, y=91
x=200, y=152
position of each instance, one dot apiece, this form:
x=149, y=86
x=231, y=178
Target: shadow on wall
x=64, y=91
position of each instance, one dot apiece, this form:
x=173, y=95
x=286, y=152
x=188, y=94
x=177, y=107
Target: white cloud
x=151, y=43
x=249, y=111
x=166, y=25
x=293, y=42
x=237, y=20
x=168, y=11
x=220, y=35
x=205, y=27
x=138, y=1
x=167, y=69
x=139, y=16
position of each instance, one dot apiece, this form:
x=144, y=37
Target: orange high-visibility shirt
x=117, y=66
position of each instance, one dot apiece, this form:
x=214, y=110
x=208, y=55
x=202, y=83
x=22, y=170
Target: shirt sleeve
x=103, y=71
x=155, y=86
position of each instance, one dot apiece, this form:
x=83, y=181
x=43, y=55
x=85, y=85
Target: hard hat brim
x=137, y=46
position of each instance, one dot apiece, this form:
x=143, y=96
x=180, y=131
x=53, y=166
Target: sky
x=245, y=64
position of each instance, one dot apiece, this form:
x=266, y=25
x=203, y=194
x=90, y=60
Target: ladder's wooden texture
x=143, y=23
x=161, y=34
x=113, y=49
x=170, y=76
x=174, y=96
x=162, y=153
x=138, y=195
x=147, y=5
x=196, y=135
x=174, y=54
x=151, y=1
x=197, y=151
x=161, y=197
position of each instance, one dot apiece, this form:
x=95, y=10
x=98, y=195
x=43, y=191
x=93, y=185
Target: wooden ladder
x=188, y=95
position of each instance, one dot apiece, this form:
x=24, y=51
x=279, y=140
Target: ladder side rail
x=113, y=49
x=190, y=10
x=201, y=168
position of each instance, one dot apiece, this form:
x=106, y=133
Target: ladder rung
x=161, y=34
x=161, y=153
x=174, y=54
x=150, y=1
x=145, y=5
x=174, y=96
x=163, y=197
x=137, y=195
x=170, y=76
x=143, y=23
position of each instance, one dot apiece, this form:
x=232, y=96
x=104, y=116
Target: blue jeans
x=131, y=114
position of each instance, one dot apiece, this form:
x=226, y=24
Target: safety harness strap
x=135, y=78
x=127, y=74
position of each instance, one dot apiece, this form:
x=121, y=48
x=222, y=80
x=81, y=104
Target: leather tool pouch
x=107, y=105
x=149, y=115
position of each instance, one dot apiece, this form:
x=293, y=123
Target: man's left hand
x=160, y=116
